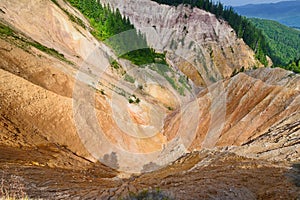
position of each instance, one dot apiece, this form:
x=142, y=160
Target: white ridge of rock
x=194, y=39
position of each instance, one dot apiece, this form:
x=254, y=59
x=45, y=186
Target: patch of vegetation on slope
x=107, y=24
x=252, y=36
x=284, y=42
x=9, y=34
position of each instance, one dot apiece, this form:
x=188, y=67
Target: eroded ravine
x=249, y=122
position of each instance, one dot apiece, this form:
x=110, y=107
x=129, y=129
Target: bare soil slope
x=241, y=133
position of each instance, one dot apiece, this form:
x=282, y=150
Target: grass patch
x=129, y=78
x=49, y=51
x=184, y=81
x=5, y=30
x=179, y=85
x=22, y=42
x=145, y=56
x=75, y=19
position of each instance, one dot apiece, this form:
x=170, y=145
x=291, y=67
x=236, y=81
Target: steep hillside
x=243, y=108
x=242, y=27
x=286, y=12
x=78, y=122
x=177, y=30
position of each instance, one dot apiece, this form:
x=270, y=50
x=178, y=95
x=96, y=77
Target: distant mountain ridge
x=285, y=12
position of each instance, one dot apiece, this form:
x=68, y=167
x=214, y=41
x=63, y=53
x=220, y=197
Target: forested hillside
x=107, y=23
x=284, y=42
x=242, y=26
x=293, y=66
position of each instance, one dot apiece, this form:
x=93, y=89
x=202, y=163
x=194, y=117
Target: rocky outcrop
x=246, y=110
x=278, y=143
x=199, y=175
x=203, y=47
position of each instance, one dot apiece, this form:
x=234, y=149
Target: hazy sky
x=244, y=2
